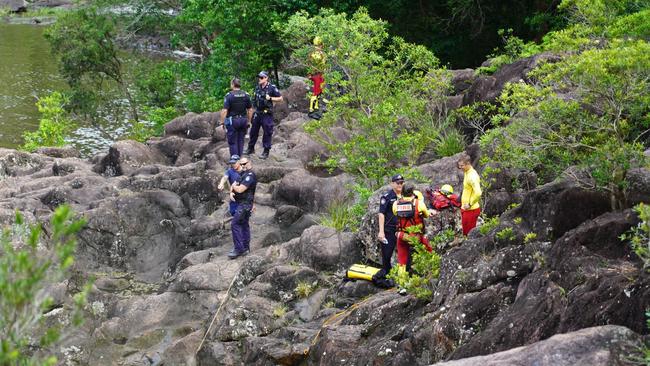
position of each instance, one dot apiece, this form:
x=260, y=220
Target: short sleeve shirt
x=386, y=208
x=249, y=180
x=260, y=92
x=237, y=104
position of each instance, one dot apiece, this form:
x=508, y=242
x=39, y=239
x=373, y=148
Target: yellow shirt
x=471, y=189
x=422, y=207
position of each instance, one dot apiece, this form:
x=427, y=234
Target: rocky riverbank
x=158, y=233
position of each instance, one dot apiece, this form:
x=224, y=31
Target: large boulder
x=14, y=6
x=296, y=96
x=608, y=345
x=311, y=193
x=323, y=248
x=125, y=157
x=488, y=88
x=192, y=125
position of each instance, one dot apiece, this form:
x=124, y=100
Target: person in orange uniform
x=470, y=208
x=410, y=210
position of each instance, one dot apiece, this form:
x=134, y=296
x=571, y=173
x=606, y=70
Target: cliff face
x=158, y=233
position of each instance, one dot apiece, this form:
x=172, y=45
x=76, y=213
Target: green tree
x=25, y=269
x=388, y=94
x=53, y=126
x=601, y=128
x=84, y=42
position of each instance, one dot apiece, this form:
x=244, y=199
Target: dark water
x=27, y=71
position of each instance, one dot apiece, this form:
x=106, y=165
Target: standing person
x=410, y=210
x=388, y=223
x=316, y=68
x=265, y=94
x=470, y=208
x=236, y=116
x=243, y=191
x=231, y=176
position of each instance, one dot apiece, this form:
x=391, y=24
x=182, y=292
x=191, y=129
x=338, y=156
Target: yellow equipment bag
x=362, y=272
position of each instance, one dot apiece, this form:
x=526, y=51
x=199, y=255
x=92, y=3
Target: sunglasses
x=245, y=163
x=400, y=183
x=261, y=77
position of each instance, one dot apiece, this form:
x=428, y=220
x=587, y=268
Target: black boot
x=265, y=154
x=249, y=151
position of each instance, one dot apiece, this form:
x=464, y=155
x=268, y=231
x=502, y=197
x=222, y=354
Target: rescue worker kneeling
x=410, y=210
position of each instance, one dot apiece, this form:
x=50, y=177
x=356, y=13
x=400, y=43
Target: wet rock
x=192, y=126
x=598, y=346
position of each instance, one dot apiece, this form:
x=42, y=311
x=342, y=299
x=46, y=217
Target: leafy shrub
x=425, y=266
x=153, y=123
x=339, y=216
x=304, y=289
x=639, y=236
x=529, y=237
x=517, y=220
x=506, y=234
x=279, y=311
x=450, y=142
x=24, y=274
x=489, y=224
x=387, y=93
x=53, y=126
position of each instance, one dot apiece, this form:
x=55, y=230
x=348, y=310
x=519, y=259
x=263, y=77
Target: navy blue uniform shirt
x=261, y=104
x=236, y=103
x=248, y=179
x=386, y=208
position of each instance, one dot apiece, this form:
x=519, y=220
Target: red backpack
x=440, y=202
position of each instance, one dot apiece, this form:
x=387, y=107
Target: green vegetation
x=425, y=266
x=489, y=224
x=346, y=214
x=388, y=94
x=517, y=220
x=53, y=126
x=280, y=311
x=25, y=270
x=639, y=236
x=529, y=237
x=304, y=289
x=603, y=126
x=505, y=234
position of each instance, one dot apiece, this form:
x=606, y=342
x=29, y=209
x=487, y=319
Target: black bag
x=405, y=209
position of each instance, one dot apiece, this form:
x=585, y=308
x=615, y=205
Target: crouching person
x=410, y=211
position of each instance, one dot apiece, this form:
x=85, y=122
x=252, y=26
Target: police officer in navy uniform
x=243, y=192
x=236, y=116
x=388, y=223
x=265, y=94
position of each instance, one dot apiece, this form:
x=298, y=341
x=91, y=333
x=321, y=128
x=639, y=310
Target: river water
x=28, y=70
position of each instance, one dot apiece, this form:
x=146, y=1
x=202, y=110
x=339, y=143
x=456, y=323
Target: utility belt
x=236, y=116
x=264, y=111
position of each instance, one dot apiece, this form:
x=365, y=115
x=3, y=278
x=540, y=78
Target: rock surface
x=158, y=233
x=608, y=345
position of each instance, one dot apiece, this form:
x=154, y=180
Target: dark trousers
x=265, y=121
x=232, y=208
x=241, y=230
x=235, y=133
x=387, y=250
